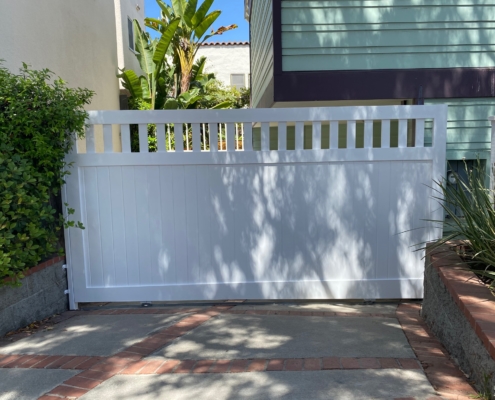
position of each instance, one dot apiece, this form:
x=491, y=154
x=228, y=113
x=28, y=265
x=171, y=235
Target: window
x=130, y=32
x=237, y=80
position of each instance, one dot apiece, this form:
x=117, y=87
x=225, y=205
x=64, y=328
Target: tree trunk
x=185, y=81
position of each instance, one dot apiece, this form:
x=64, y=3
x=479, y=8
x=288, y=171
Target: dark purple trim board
x=374, y=84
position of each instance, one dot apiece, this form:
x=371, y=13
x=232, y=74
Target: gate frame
x=73, y=190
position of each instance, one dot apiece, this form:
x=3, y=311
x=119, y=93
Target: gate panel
x=300, y=224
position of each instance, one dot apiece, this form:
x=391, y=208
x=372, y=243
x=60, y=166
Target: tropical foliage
x=40, y=118
x=172, y=78
x=190, y=34
x=470, y=213
x=154, y=85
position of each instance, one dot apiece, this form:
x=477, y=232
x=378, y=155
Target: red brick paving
x=185, y=367
x=168, y=366
x=275, y=365
x=239, y=365
x=257, y=365
x=312, y=364
x=442, y=373
x=331, y=363
x=203, y=366
x=294, y=364
x=221, y=366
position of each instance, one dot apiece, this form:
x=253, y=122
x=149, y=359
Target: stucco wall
x=224, y=60
x=75, y=39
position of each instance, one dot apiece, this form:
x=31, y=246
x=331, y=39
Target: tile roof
x=226, y=44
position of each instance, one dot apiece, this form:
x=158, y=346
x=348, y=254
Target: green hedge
x=40, y=117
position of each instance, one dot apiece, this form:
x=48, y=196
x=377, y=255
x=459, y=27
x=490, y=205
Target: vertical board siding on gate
x=155, y=226
x=94, y=249
x=180, y=224
x=167, y=259
x=192, y=232
x=105, y=207
x=394, y=34
x=130, y=218
x=118, y=225
x=384, y=171
x=257, y=223
x=143, y=222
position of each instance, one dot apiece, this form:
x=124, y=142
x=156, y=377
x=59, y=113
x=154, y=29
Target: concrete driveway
x=232, y=350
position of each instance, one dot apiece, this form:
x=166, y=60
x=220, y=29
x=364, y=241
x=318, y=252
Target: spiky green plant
x=475, y=227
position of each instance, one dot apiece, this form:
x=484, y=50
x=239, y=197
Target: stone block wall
x=41, y=295
x=458, y=308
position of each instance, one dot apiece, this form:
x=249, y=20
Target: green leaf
x=164, y=42
x=132, y=83
x=198, y=67
x=171, y=104
x=206, y=23
x=165, y=9
x=155, y=24
x=223, y=105
x=145, y=56
x=179, y=6
x=189, y=12
x=201, y=13
x=146, y=91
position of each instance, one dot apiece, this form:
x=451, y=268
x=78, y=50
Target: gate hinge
x=66, y=291
x=64, y=266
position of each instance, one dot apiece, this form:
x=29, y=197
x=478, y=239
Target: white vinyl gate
x=336, y=221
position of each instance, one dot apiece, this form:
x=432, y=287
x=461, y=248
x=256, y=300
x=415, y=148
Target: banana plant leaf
x=201, y=13
x=131, y=82
x=164, y=42
x=203, y=26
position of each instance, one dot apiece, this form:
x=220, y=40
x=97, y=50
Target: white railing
x=259, y=203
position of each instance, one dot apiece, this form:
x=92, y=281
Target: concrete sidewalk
x=233, y=351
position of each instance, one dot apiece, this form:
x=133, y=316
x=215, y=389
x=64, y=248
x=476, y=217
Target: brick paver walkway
x=432, y=358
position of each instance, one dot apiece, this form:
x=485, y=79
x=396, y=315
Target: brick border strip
x=440, y=370
x=105, y=368
x=162, y=366
x=311, y=313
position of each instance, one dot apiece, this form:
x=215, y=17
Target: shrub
x=40, y=117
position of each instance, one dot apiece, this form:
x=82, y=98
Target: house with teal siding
x=378, y=52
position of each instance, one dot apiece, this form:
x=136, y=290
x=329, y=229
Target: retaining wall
x=40, y=295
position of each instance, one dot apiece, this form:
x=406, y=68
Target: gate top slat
x=258, y=115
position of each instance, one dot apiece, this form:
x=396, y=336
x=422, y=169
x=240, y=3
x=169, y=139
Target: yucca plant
x=475, y=226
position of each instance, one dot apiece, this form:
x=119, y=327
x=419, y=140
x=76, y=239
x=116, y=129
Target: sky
x=232, y=13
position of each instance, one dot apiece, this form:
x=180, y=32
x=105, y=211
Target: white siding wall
x=125, y=9
x=224, y=60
